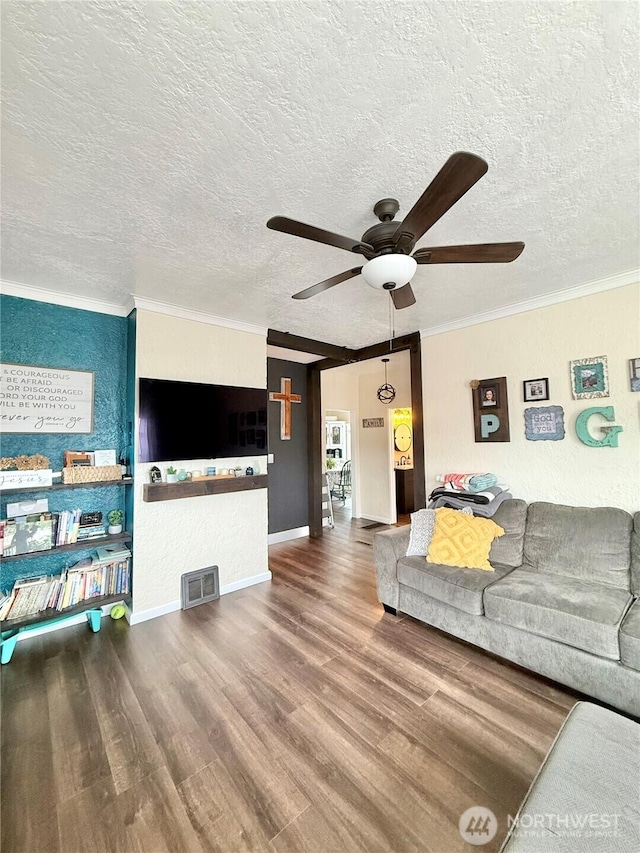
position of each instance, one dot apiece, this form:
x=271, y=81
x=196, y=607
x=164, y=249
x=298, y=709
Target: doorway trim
x=315, y=417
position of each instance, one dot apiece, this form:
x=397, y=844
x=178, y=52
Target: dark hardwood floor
x=291, y=716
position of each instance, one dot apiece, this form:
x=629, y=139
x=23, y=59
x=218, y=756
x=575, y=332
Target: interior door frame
x=336, y=356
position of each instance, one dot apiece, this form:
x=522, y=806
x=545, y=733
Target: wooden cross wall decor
x=285, y=398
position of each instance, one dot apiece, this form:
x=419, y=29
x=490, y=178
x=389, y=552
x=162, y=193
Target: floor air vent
x=200, y=586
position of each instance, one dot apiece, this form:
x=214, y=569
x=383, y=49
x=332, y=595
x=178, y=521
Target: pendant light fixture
x=386, y=393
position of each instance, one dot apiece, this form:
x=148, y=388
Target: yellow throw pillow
x=462, y=540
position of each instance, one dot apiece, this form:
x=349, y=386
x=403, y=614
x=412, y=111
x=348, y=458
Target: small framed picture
x=535, y=389
x=589, y=378
x=489, y=395
x=634, y=374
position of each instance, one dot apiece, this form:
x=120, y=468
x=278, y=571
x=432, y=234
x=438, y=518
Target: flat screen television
x=192, y=420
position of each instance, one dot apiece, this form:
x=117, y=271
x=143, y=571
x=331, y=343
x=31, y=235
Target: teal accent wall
x=38, y=333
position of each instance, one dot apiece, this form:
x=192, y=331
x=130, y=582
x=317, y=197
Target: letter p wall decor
x=490, y=409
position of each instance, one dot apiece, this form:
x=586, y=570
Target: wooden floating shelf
x=85, y=545
x=125, y=481
x=206, y=486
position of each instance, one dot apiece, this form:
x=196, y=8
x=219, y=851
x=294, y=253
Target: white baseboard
x=236, y=585
x=172, y=606
x=153, y=612
x=286, y=535
x=379, y=518
x=49, y=627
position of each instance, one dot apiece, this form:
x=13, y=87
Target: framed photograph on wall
x=634, y=374
x=490, y=409
x=489, y=394
x=589, y=378
x=535, y=389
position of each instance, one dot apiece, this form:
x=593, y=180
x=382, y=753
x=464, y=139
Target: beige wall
x=534, y=344
x=227, y=530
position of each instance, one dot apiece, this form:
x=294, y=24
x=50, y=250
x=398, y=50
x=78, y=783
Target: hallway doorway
x=359, y=434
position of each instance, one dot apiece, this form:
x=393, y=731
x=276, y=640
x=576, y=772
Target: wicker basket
x=91, y=474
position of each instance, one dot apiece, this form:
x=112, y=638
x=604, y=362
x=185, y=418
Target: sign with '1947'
x=45, y=399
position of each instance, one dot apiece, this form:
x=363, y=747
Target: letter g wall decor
x=610, y=438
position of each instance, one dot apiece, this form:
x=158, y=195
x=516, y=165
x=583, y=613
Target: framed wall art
x=490, y=409
x=589, y=378
x=634, y=374
x=544, y=423
x=534, y=390
x=45, y=400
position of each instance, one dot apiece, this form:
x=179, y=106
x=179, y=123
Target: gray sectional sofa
x=563, y=600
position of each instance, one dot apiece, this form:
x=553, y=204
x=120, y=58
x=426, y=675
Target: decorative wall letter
x=610, y=432
x=489, y=424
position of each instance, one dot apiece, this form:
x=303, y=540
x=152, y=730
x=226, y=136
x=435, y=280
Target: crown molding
x=68, y=300
x=85, y=303
x=198, y=316
x=588, y=289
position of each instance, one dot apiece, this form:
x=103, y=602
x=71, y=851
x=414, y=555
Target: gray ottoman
x=586, y=796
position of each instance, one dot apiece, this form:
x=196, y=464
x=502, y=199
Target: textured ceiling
x=146, y=144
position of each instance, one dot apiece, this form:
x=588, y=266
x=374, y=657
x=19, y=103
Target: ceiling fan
x=388, y=245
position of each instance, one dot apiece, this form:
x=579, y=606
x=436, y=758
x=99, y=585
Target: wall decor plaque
x=490, y=409
x=544, y=423
x=372, y=423
x=45, y=399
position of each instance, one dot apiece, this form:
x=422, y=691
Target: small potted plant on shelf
x=172, y=475
x=115, y=518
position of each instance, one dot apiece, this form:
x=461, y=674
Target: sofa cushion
x=577, y=613
x=507, y=550
x=630, y=638
x=462, y=540
x=461, y=588
x=585, y=796
x=635, y=555
x=423, y=523
x=579, y=542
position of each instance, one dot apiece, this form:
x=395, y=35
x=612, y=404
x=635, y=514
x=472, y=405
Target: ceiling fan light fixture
x=391, y=269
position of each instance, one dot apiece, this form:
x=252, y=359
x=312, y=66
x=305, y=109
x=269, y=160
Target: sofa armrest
x=388, y=547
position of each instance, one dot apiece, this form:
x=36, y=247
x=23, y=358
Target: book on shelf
x=87, y=579
x=113, y=551
x=95, y=531
x=67, y=526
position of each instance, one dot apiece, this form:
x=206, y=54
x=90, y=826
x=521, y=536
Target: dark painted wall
x=288, y=474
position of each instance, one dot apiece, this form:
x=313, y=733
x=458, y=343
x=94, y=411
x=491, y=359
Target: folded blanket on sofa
x=483, y=497
x=486, y=510
x=468, y=482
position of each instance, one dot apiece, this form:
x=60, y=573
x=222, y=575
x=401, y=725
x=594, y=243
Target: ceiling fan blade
x=481, y=253
x=327, y=283
x=319, y=235
x=461, y=171
x=403, y=297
